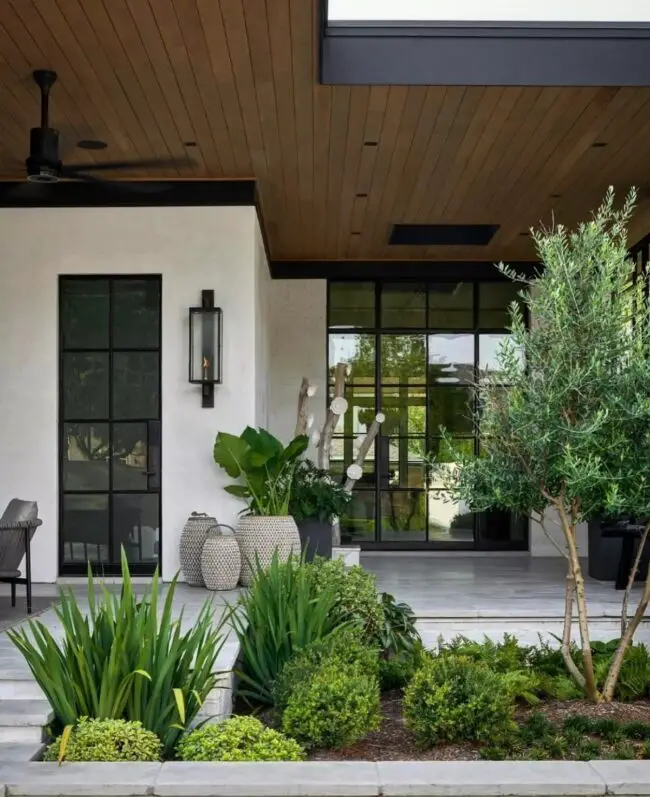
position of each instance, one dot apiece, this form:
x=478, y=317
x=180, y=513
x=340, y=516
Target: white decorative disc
x=315, y=437
x=380, y=417
x=339, y=405
x=310, y=421
x=311, y=390
x=354, y=472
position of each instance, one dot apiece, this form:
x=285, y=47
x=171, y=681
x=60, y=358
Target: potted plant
x=264, y=468
x=315, y=500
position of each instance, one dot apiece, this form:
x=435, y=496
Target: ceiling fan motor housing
x=43, y=164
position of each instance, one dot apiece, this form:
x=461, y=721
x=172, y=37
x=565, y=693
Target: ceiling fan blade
x=132, y=186
x=162, y=163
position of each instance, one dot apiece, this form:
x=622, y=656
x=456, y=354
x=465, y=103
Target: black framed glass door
x=415, y=349
x=109, y=423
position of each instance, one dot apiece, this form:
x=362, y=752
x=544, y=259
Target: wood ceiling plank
x=322, y=115
x=409, y=120
x=481, y=148
x=304, y=43
x=354, y=147
x=339, y=119
x=275, y=29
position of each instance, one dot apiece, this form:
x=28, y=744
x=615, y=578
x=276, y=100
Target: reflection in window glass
x=356, y=350
x=494, y=302
x=449, y=521
x=451, y=408
x=444, y=458
x=403, y=359
x=451, y=305
x=489, y=347
x=358, y=524
x=361, y=410
x=403, y=304
x=451, y=359
x=352, y=304
x=405, y=410
x=403, y=516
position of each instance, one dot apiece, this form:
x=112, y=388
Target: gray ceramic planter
x=315, y=538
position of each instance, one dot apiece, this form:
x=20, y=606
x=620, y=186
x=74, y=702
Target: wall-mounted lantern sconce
x=206, y=347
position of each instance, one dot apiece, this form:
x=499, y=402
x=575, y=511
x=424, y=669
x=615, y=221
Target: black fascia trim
x=484, y=54
x=431, y=270
x=177, y=193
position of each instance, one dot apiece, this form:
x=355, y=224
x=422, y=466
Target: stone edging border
x=329, y=779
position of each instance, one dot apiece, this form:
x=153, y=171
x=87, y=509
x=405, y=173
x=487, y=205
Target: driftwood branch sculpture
x=323, y=439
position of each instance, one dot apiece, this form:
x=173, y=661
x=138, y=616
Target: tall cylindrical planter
x=193, y=538
x=220, y=560
x=315, y=538
x=260, y=537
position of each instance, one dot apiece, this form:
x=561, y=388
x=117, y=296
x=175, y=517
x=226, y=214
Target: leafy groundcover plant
x=315, y=494
x=120, y=661
x=238, y=739
x=106, y=740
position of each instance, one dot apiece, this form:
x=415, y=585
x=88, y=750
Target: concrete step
x=22, y=688
x=16, y=752
x=22, y=721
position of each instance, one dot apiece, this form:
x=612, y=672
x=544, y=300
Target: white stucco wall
x=192, y=248
x=262, y=337
x=298, y=335
x=540, y=545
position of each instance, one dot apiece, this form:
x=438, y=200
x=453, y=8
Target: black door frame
x=110, y=568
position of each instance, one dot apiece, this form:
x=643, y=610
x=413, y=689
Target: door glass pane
x=352, y=304
x=494, y=301
x=450, y=407
x=358, y=524
x=136, y=314
x=84, y=314
x=406, y=465
x=85, y=456
x=449, y=521
x=451, y=305
x=403, y=304
x=130, y=463
x=451, y=358
x=136, y=385
x=356, y=350
x=444, y=457
x=489, y=347
x=85, y=386
x=403, y=516
x=136, y=526
x=405, y=410
x=85, y=528
x=403, y=359
x=361, y=410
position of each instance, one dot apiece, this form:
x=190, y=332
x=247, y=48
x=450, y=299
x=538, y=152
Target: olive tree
x=564, y=421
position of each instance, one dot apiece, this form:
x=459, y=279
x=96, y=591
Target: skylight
x=404, y=11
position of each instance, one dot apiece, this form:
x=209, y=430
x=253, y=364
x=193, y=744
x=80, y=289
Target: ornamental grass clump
x=105, y=740
x=238, y=739
x=122, y=661
x=564, y=420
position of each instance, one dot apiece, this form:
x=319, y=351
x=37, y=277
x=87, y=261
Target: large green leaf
x=295, y=448
x=230, y=452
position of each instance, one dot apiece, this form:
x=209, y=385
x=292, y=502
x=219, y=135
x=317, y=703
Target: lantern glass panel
x=205, y=345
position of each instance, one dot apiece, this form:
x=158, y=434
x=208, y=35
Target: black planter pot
x=315, y=538
x=604, y=554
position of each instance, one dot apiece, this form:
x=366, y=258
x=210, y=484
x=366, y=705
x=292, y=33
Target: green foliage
x=238, y=739
x=355, y=590
x=501, y=656
x=397, y=670
x=334, y=709
x=264, y=465
x=107, y=740
x=452, y=698
x=634, y=680
x=121, y=661
x=398, y=632
x=315, y=494
x=281, y=613
x=342, y=650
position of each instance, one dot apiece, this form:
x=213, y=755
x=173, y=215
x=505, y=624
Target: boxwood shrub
x=107, y=740
x=239, y=738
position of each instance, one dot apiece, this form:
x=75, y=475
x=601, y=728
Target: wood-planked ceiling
x=336, y=166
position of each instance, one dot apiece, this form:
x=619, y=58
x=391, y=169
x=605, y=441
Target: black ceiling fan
x=44, y=164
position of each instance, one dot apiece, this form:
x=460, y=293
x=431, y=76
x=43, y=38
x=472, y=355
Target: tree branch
x=632, y=576
x=303, y=400
x=371, y=434
x=566, y=633
x=325, y=442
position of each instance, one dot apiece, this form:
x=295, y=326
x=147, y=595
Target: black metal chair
x=17, y=526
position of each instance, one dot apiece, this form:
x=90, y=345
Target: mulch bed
x=394, y=742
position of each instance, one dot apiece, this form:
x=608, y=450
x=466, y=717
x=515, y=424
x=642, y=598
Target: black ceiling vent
x=442, y=234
